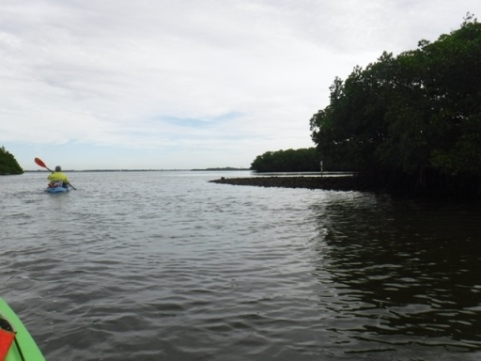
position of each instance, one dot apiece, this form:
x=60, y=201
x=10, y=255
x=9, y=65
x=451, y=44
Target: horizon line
x=144, y=170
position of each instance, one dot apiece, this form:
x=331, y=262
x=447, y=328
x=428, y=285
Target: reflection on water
x=408, y=271
x=168, y=266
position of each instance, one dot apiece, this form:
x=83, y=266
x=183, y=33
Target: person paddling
x=58, y=178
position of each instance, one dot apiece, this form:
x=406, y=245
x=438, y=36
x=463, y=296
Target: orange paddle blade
x=40, y=162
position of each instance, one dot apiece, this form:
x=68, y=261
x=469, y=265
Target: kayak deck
x=24, y=347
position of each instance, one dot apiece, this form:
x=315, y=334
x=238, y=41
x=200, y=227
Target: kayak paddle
x=42, y=164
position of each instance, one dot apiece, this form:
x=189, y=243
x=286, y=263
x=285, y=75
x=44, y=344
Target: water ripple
x=165, y=265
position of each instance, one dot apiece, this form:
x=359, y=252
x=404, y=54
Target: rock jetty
x=342, y=183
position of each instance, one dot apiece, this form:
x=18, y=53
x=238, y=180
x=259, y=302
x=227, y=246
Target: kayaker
x=58, y=178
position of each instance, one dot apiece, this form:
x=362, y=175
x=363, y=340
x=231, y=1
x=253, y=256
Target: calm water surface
x=167, y=266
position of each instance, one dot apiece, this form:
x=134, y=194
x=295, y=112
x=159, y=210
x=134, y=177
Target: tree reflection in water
x=406, y=271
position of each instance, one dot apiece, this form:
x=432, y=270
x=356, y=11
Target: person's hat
x=58, y=169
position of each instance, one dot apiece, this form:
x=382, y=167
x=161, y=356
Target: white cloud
x=118, y=74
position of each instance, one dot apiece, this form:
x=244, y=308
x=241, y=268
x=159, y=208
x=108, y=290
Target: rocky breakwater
x=342, y=183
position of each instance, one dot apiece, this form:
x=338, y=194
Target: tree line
x=8, y=163
x=290, y=160
x=412, y=120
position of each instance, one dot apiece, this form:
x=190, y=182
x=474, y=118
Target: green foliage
x=290, y=160
x=8, y=163
x=407, y=114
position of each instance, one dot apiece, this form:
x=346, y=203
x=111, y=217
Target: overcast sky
x=183, y=84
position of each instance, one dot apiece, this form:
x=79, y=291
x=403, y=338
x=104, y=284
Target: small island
x=8, y=163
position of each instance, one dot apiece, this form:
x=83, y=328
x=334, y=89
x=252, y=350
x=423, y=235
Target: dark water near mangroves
x=168, y=266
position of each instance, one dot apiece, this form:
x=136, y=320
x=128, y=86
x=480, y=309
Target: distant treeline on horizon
x=144, y=170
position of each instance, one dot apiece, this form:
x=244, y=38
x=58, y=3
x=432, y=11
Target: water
x=168, y=266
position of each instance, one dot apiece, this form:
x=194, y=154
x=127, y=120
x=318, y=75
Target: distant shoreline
x=145, y=170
